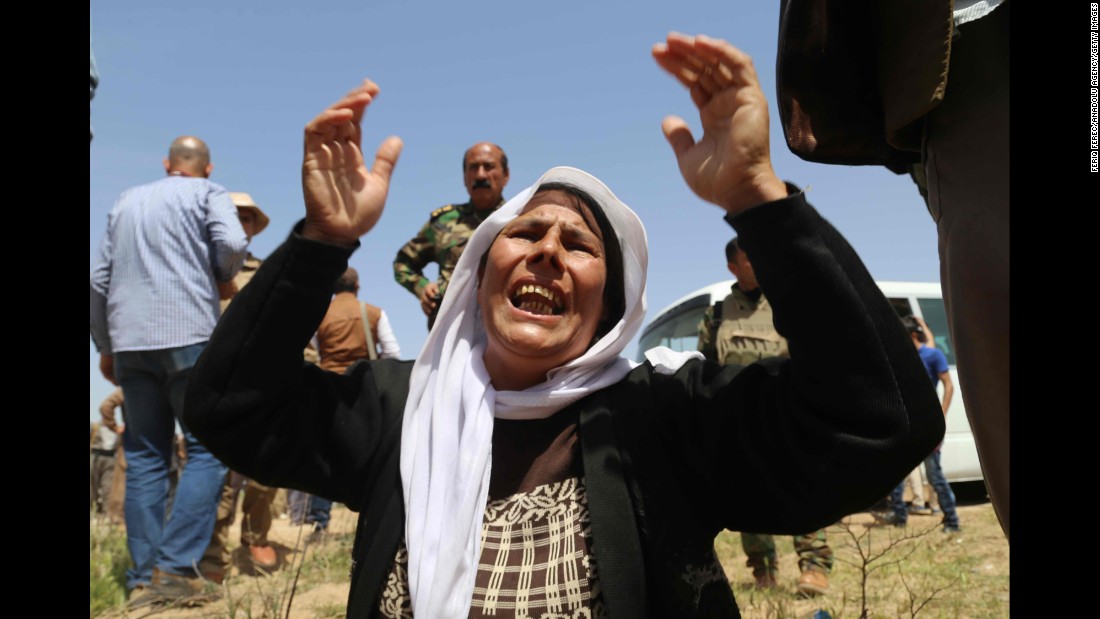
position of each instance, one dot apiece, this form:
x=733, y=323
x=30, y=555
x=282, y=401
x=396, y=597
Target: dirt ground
x=250, y=594
x=960, y=575
x=322, y=588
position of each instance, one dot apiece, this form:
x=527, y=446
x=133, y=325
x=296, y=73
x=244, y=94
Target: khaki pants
x=102, y=471
x=256, y=522
x=116, y=495
x=812, y=548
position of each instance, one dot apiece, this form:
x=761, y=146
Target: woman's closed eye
x=581, y=247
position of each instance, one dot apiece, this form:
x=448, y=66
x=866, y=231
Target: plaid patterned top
x=535, y=559
x=168, y=243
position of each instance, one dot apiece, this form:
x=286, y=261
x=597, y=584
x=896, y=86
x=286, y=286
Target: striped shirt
x=154, y=282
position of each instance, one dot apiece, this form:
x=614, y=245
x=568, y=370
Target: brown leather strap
x=371, y=352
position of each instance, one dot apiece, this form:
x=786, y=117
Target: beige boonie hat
x=243, y=200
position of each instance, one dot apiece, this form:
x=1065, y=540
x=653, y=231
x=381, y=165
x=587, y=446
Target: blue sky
x=567, y=83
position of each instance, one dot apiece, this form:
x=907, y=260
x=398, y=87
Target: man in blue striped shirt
x=154, y=303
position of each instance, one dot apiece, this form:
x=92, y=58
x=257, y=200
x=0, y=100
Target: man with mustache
x=442, y=239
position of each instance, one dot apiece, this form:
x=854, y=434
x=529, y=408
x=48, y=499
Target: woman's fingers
x=386, y=157
x=704, y=64
x=676, y=65
x=678, y=135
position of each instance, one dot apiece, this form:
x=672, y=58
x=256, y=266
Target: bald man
x=442, y=239
x=154, y=303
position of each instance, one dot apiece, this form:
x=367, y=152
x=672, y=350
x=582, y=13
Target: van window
x=935, y=316
x=679, y=330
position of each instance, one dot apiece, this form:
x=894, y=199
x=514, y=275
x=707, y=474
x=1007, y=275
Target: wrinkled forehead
x=565, y=200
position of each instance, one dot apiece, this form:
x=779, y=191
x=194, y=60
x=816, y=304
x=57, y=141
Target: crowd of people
x=519, y=463
x=198, y=206
x=174, y=256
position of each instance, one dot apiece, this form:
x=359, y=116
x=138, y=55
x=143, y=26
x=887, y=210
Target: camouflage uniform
x=441, y=240
x=742, y=334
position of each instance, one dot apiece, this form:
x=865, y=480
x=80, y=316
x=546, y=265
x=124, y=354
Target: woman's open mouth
x=537, y=300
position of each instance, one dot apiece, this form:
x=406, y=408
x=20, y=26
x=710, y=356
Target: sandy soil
x=323, y=587
x=249, y=593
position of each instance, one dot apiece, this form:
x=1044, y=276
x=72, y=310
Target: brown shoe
x=765, y=579
x=137, y=593
x=813, y=582
x=174, y=585
x=264, y=556
x=141, y=596
x=181, y=590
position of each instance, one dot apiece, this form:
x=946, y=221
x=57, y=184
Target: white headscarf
x=448, y=426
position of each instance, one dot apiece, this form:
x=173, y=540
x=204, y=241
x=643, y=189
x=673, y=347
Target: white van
x=677, y=326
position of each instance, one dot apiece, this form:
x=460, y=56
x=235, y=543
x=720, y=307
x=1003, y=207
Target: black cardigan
x=668, y=459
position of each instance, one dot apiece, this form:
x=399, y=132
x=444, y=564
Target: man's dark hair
x=503, y=158
x=347, y=282
x=912, y=326
x=731, y=249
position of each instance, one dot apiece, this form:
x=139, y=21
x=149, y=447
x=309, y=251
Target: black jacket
x=667, y=458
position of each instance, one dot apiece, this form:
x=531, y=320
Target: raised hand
x=343, y=199
x=731, y=164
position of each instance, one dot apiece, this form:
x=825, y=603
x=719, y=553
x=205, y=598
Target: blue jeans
x=939, y=483
x=305, y=507
x=153, y=383
x=320, y=512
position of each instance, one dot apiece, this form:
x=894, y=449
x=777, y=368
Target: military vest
x=746, y=333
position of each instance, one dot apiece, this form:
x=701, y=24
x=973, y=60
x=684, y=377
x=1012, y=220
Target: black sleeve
x=790, y=445
x=254, y=402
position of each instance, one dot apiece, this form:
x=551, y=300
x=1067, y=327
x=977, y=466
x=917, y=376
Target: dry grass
x=320, y=593
x=965, y=575
x=968, y=573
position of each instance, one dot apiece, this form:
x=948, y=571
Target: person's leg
x=106, y=478
x=297, y=502
x=899, y=513
x=761, y=557
x=916, y=484
x=279, y=505
x=815, y=561
x=215, y=559
x=257, y=522
x=147, y=443
x=813, y=551
x=256, y=508
x=320, y=512
x=116, y=497
x=175, y=468
x=943, y=490
x=191, y=523
x=966, y=154
x=102, y=467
